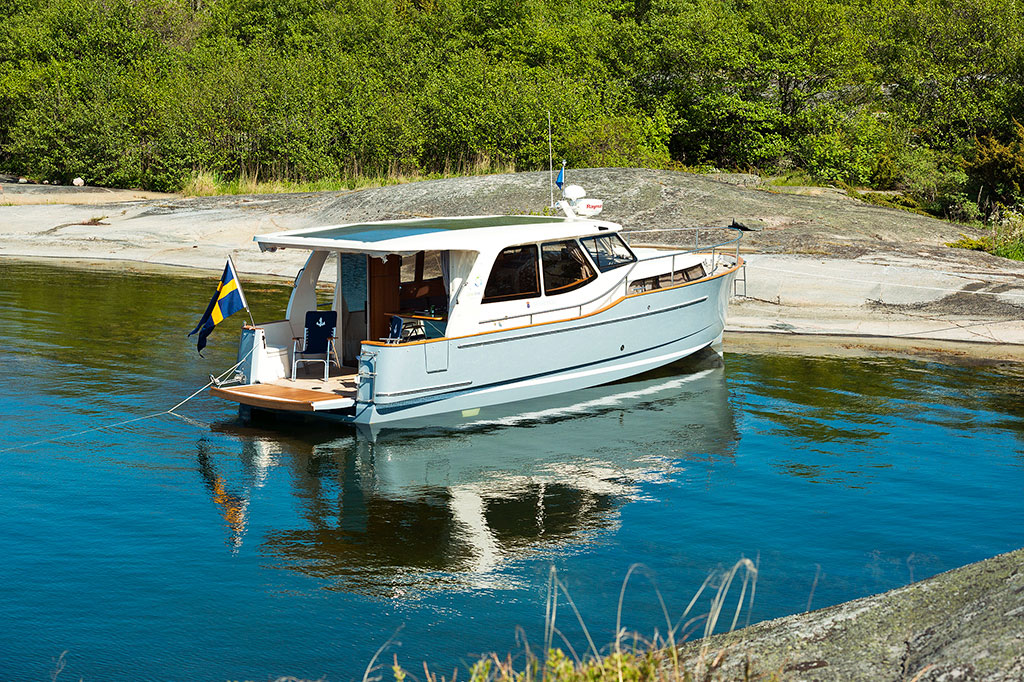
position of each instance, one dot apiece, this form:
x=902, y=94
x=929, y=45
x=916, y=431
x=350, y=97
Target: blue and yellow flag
x=228, y=300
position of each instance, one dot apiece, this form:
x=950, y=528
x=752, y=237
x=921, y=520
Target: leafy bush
x=619, y=141
x=996, y=169
x=1005, y=237
x=839, y=148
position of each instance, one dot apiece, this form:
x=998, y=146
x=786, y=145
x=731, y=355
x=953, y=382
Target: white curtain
x=459, y=265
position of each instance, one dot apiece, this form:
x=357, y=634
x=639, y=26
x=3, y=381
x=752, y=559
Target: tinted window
x=565, y=267
x=608, y=252
x=514, y=275
x=696, y=272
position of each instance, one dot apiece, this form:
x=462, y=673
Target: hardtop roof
x=473, y=233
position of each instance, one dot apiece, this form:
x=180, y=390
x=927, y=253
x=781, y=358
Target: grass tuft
x=631, y=657
x=795, y=178
x=1005, y=237
x=895, y=200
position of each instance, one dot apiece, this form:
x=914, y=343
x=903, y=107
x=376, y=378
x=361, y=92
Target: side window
x=514, y=275
x=696, y=272
x=608, y=252
x=565, y=267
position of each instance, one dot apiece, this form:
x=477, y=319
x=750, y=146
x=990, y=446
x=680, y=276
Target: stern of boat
x=264, y=382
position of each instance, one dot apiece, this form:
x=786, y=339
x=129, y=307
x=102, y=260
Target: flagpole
x=238, y=283
x=551, y=164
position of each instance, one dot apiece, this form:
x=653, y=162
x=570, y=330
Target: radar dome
x=574, y=192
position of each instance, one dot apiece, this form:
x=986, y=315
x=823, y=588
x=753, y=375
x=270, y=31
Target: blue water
x=208, y=548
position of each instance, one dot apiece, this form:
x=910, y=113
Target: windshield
x=608, y=251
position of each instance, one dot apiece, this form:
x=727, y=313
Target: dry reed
x=655, y=658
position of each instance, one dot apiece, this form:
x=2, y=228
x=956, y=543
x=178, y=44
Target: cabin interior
x=368, y=294
x=360, y=298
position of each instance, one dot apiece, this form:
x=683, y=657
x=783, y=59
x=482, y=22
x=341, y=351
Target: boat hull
x=634, y=335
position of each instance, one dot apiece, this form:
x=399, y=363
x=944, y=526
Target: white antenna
x=551, y=164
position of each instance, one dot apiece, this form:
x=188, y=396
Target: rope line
x=960, y=327
x=965, y=327
x=133, y=419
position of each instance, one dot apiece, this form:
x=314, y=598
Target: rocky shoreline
x=820, y=265
x=966, y=624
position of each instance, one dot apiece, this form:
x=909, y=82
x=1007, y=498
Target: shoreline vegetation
x=206, y=183
x=916, y=103
x=630, y=656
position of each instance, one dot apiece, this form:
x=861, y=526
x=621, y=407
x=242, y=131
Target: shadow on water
x=413, y=511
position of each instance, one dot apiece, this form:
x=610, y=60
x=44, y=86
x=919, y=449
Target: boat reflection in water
x=401, y=512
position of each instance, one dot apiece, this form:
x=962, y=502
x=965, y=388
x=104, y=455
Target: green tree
x=996, y=169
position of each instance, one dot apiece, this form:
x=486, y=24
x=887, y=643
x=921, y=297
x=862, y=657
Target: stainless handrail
x=713, y=247
x=624, y=279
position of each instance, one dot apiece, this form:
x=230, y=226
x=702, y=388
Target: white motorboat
x=451, y=315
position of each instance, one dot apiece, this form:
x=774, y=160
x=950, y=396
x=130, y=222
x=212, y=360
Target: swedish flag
x=228, y=300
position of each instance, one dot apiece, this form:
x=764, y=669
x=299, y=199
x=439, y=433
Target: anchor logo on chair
x=320, y=322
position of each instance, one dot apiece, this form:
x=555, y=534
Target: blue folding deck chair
x=318, y=337
x=395, y=330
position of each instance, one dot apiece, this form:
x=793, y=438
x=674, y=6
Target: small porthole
x=622, y=348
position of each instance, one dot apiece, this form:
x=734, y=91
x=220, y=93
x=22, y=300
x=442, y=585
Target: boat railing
x=715, y=249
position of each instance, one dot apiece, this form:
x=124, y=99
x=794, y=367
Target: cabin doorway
x=385, y=281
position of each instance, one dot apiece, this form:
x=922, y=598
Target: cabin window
x=669, y=279
x=694, y=273
x=422, y=284
x=514, y=275
x=565, y=267
x=609, y=252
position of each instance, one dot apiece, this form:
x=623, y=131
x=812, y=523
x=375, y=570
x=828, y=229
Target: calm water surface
x=205, y=548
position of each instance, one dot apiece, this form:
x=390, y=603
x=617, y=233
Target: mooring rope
x=171, y=411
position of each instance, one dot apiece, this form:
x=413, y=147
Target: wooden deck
x=302, y=395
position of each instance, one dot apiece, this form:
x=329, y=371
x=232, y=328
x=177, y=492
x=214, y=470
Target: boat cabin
x=402, y=282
